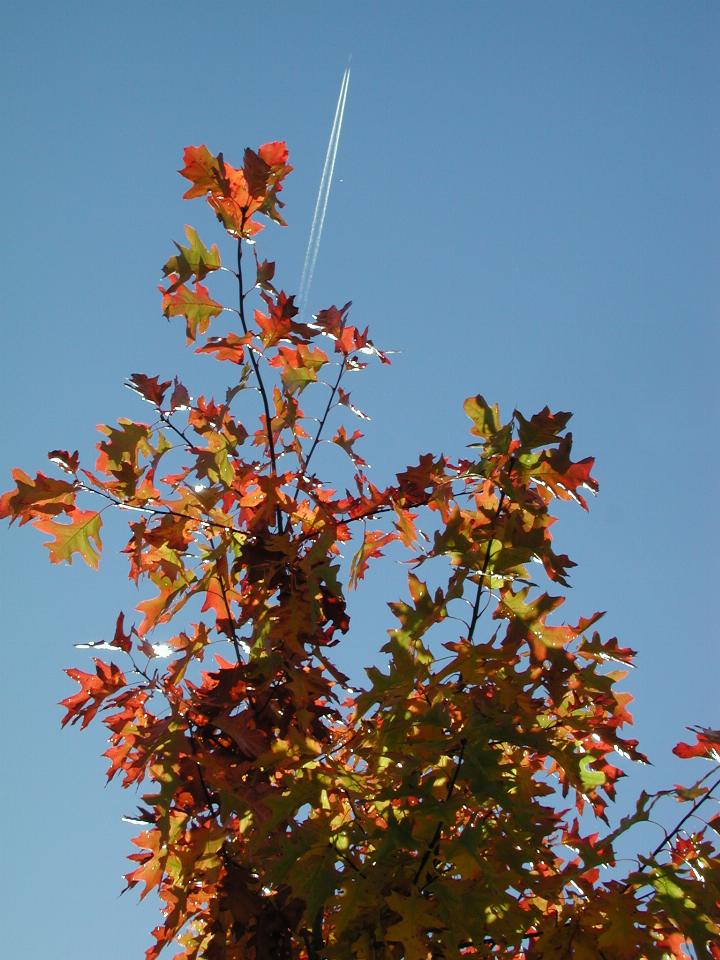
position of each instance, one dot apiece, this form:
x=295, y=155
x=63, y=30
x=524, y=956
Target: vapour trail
x=321, y=204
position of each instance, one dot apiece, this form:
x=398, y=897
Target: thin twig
x=320, y=427
x=165, y=417
x=648, y=861
x=153, y=511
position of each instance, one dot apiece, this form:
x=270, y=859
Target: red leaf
x=122, y=639
x=43, y=496
x=275, y=154
x=204, y=171
x=264, y=273
x=707, y=744
x=94, y=690
x=347, y=443
x=180, y=397
x=149, y=388
x=237, y=195
x=230, y=347
x=370, y=548
x=69, y=462
x=256, y=172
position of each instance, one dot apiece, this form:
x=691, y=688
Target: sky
x=525, y=205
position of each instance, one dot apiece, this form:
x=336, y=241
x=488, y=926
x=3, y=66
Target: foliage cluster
x=443, y=809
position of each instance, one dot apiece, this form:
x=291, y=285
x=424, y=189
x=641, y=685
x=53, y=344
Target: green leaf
x=590, y=777
x=668, y=888
x=485, y=418
x=193, y=261
x=197, y=306
x=81, y=535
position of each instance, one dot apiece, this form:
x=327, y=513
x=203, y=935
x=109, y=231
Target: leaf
x=541, y=429
x=189, y=648
x=343, y=399
x=179, y=398
x=95, y=688
x=485, y=418
x=331, y=321
x=590, y=777
x=370, y=548
x=707, y=744
x=311, y=872
x=264, y=273
x=230, y=347
x=256, y=172
x=149, y=388
x=405, y=526
x=69, y=462
x=43, y=496
x=121, y=639
x=121, y=453
x=275, y=154
x=204, y=171
x=528, y=620
x=298, y=366
x=562, y=476
x=347, y=443
x=81, y=535
x=197, y=306
x=193, y=261
x=416, y=917
x=277, y=324
x=152, y=861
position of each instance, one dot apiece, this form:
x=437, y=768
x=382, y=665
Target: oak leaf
x=194, y=260
x=196, y=305
x=81, y=535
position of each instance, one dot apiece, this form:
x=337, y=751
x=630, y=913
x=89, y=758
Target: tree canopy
x=457, y=802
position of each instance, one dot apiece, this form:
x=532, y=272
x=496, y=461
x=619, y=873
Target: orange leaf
x=81, y=535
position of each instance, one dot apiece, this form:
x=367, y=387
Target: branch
x=314, y=939
x=211, y=800
x=476, y=605
x=165, y=417
x=258, y=376
x=322, y=424
x=226, y=603
x=648, y=861
x=432, y=846
x=153, y=511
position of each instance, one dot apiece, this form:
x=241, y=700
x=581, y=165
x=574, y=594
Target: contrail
x=318, y=220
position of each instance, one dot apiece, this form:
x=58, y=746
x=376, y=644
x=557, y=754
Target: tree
x=457, y=805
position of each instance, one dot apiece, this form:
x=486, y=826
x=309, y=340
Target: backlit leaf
x=81, y=534
x=194, y=260
x=196, y=305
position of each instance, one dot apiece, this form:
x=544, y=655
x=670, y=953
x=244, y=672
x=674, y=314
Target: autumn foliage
x=457, y=803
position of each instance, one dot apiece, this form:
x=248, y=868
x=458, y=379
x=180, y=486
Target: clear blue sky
x=526, y=205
